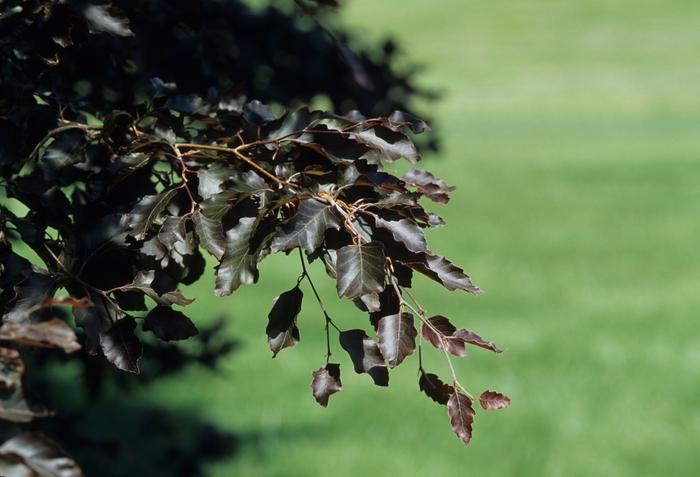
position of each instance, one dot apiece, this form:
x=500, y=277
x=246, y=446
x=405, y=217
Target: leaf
x=54, y=333
x=120, y=345
x=41, y=456
x=493, y=400
x=211, y=234
x=365, y=355
x=95, y=320
x=325, y=382
x=34, y=291
x=440, y=333
x=211, y=178
x=459, y=408
x=473, y=339
x=101, y=20
x=14, y=408
x=282, y=331
x=155, y=284
x=404, y=119
x=11, y=368
x=434, y=388
x=307, y=228
x=406, y=232
x=177, y=241
x=238, y=266
x=389, y=145
x=360, y=270
x=389, y=304
x=445, y=272
x=168, y=324
x=427, y=184
x=397, y=337
x=146, y=211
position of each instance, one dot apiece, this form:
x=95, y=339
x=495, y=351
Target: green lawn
x=572, y=130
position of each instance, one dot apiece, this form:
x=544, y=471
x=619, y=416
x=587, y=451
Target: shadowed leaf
x=120, y=345
x=434, y=388
x=168, y=324
x=326, y=381
x=282, y=331
x=365, y=355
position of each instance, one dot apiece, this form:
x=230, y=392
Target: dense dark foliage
x=128, y=148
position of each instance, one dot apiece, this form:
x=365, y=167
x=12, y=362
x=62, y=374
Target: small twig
x=236, y=152
x=329, y=321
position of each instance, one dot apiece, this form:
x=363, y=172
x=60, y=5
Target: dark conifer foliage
x=127, y=135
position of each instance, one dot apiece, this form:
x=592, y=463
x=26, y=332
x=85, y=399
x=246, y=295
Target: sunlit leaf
x=360, y=270
x=307, y=228
x=461, y=412
x=397, y=337
x=326, y=381
x=494, y=400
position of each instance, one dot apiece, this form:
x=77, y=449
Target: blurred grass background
x=572, y=131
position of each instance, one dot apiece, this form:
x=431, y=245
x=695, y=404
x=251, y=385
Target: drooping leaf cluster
x=118, y=193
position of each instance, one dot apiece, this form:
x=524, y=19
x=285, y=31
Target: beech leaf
x=39, y=455
x=365, y=355
x=445, y=272
x=238, y=266
x=120, y=345
x=211, y=234
x=54, y=333
x=282, y=331
x=440, y=333
x=473, y=339
x=406, y=232
x=326, y=381
x=434, y=388
x=493, y=400
x=397, y=337
x=307, y=228
x=427, y=184
x=461, y=412
x=168, y=324
x=146, y=211
x=360, y=270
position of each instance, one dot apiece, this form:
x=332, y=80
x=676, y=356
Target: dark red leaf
x=459, y=408
x=434, y=388
x=494, y=400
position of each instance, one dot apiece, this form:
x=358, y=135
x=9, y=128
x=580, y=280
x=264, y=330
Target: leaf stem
x=329, y=321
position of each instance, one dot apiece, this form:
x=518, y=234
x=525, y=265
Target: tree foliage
x=124, y=169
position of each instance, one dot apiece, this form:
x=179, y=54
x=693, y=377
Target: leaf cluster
x=119, y=205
